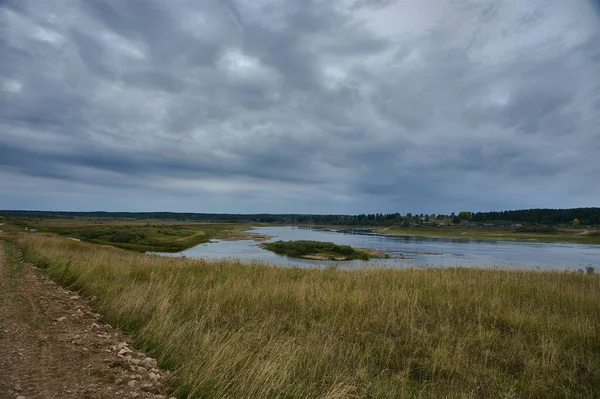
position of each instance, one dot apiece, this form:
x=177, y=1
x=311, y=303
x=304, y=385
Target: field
x=136, y=235
x=235, y=331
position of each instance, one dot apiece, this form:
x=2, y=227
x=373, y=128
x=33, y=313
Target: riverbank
x=138, y=235
x=176, y=236
x=232, y=330
x=579, y=236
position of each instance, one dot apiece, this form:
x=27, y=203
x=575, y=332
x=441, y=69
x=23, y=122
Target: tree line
x=549, y=217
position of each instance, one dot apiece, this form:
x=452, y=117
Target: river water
x=420, y=251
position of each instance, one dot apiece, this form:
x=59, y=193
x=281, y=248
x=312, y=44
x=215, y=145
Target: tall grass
x=238, y=331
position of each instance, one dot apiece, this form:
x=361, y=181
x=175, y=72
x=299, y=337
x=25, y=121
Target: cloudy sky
x=304, y=106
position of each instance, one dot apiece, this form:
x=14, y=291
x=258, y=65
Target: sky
x=299, y=106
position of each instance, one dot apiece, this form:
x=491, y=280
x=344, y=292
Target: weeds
x=236, y=331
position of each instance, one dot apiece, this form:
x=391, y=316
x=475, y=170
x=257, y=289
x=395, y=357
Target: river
x=419, y=251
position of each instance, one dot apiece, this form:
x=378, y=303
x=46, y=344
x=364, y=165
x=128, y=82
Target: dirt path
x=52, y=345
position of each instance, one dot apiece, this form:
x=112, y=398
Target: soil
x=53, y=345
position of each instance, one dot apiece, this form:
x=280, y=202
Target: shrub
x=302, y=248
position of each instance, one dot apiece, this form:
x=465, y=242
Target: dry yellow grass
x=235, y=331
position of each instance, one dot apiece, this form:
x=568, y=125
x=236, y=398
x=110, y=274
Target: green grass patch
x=149, y=236
x=315, y=249
x=13, y=259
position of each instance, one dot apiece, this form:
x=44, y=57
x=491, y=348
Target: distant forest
x=586, y=216
x=549, y=217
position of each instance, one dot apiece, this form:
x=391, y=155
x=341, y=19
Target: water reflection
x=418, y=251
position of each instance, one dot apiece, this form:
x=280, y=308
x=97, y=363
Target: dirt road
x=52, y=345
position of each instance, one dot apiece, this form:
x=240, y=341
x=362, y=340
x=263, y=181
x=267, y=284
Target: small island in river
x=318, y=250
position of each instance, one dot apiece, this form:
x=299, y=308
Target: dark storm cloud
x=312, y=106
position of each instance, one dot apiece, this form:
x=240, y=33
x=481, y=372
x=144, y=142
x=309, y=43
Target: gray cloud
x=312, y=106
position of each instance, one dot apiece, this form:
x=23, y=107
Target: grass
x=140, y=236
x=238, y=331
x=580, y=235
x=315, y=250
